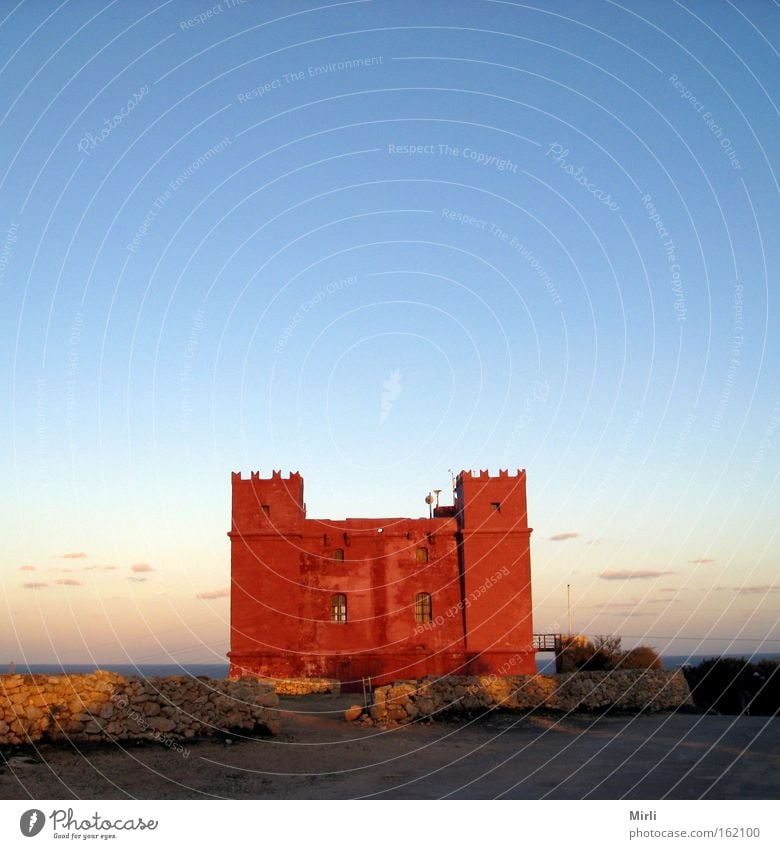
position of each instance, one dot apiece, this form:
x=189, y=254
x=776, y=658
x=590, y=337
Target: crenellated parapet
x=484, y=474
x=275, y=476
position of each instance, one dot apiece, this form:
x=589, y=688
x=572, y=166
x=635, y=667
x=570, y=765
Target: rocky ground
x=320, y=756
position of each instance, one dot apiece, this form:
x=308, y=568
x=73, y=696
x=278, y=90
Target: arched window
x=422, y=607
x=422, y=555
x=338, y=554
x=338, y=607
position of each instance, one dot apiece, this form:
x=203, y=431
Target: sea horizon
x=544, y=665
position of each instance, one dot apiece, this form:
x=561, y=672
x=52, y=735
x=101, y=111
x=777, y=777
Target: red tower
x=389, y=598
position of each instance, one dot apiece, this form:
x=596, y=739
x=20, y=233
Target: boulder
x=353, y=713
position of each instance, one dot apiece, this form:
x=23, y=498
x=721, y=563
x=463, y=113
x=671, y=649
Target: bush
x=607, y=644
x=598, y=661
x=579, y=654
x=733, y=685
x=641, y=657
x=575, y=651
x=767, y=699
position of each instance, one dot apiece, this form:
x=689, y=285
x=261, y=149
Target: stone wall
x=106, y=706
x=633, y=690
x=305, y=686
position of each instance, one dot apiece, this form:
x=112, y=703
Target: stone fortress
x=385, y=598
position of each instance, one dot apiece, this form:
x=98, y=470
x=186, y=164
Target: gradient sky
x=497, y=235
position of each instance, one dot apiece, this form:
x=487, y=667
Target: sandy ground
x=319, y=756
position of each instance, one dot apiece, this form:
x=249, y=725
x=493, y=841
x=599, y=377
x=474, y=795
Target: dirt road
x=319, y=756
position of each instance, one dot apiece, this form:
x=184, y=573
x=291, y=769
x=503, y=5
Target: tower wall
x=265, y=562
x=262, y=505
x=496, y=569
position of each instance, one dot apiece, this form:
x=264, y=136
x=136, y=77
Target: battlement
x=484, y=474
x=237, y=477
x=489, y=503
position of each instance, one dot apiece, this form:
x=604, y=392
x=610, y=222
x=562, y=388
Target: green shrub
x=733, y=685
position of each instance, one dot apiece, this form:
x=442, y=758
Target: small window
x=422, y=607
x=422, y=555
x=338, y=608
x=266, y=509
x=338, y=554
x=496, y=505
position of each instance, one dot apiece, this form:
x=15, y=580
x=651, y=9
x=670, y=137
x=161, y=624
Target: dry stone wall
x=305, y=686
x=633, y=690
x=106, y=706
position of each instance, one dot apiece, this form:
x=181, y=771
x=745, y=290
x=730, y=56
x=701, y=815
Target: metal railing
x=547, y=642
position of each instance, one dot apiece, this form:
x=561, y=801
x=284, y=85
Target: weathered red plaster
x=285, y=571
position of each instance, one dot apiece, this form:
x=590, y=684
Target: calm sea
x=545, y=664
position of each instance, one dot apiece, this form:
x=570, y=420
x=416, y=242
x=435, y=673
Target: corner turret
x=260, y=505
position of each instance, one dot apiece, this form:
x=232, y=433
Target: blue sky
x=375, y=241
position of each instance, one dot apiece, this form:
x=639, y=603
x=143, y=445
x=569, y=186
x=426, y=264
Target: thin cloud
x=141, y=567
x=209, y=594
x=27, y=568
x=631, y=575
x=566, y=535
x=759, y=589
x=137, y=580
x=626, y=613
x=73, y=555
x=703, y=560
x=624, y=608
x=617, y=605
x=68, y=582
x=631, y=604
x=35, y=585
